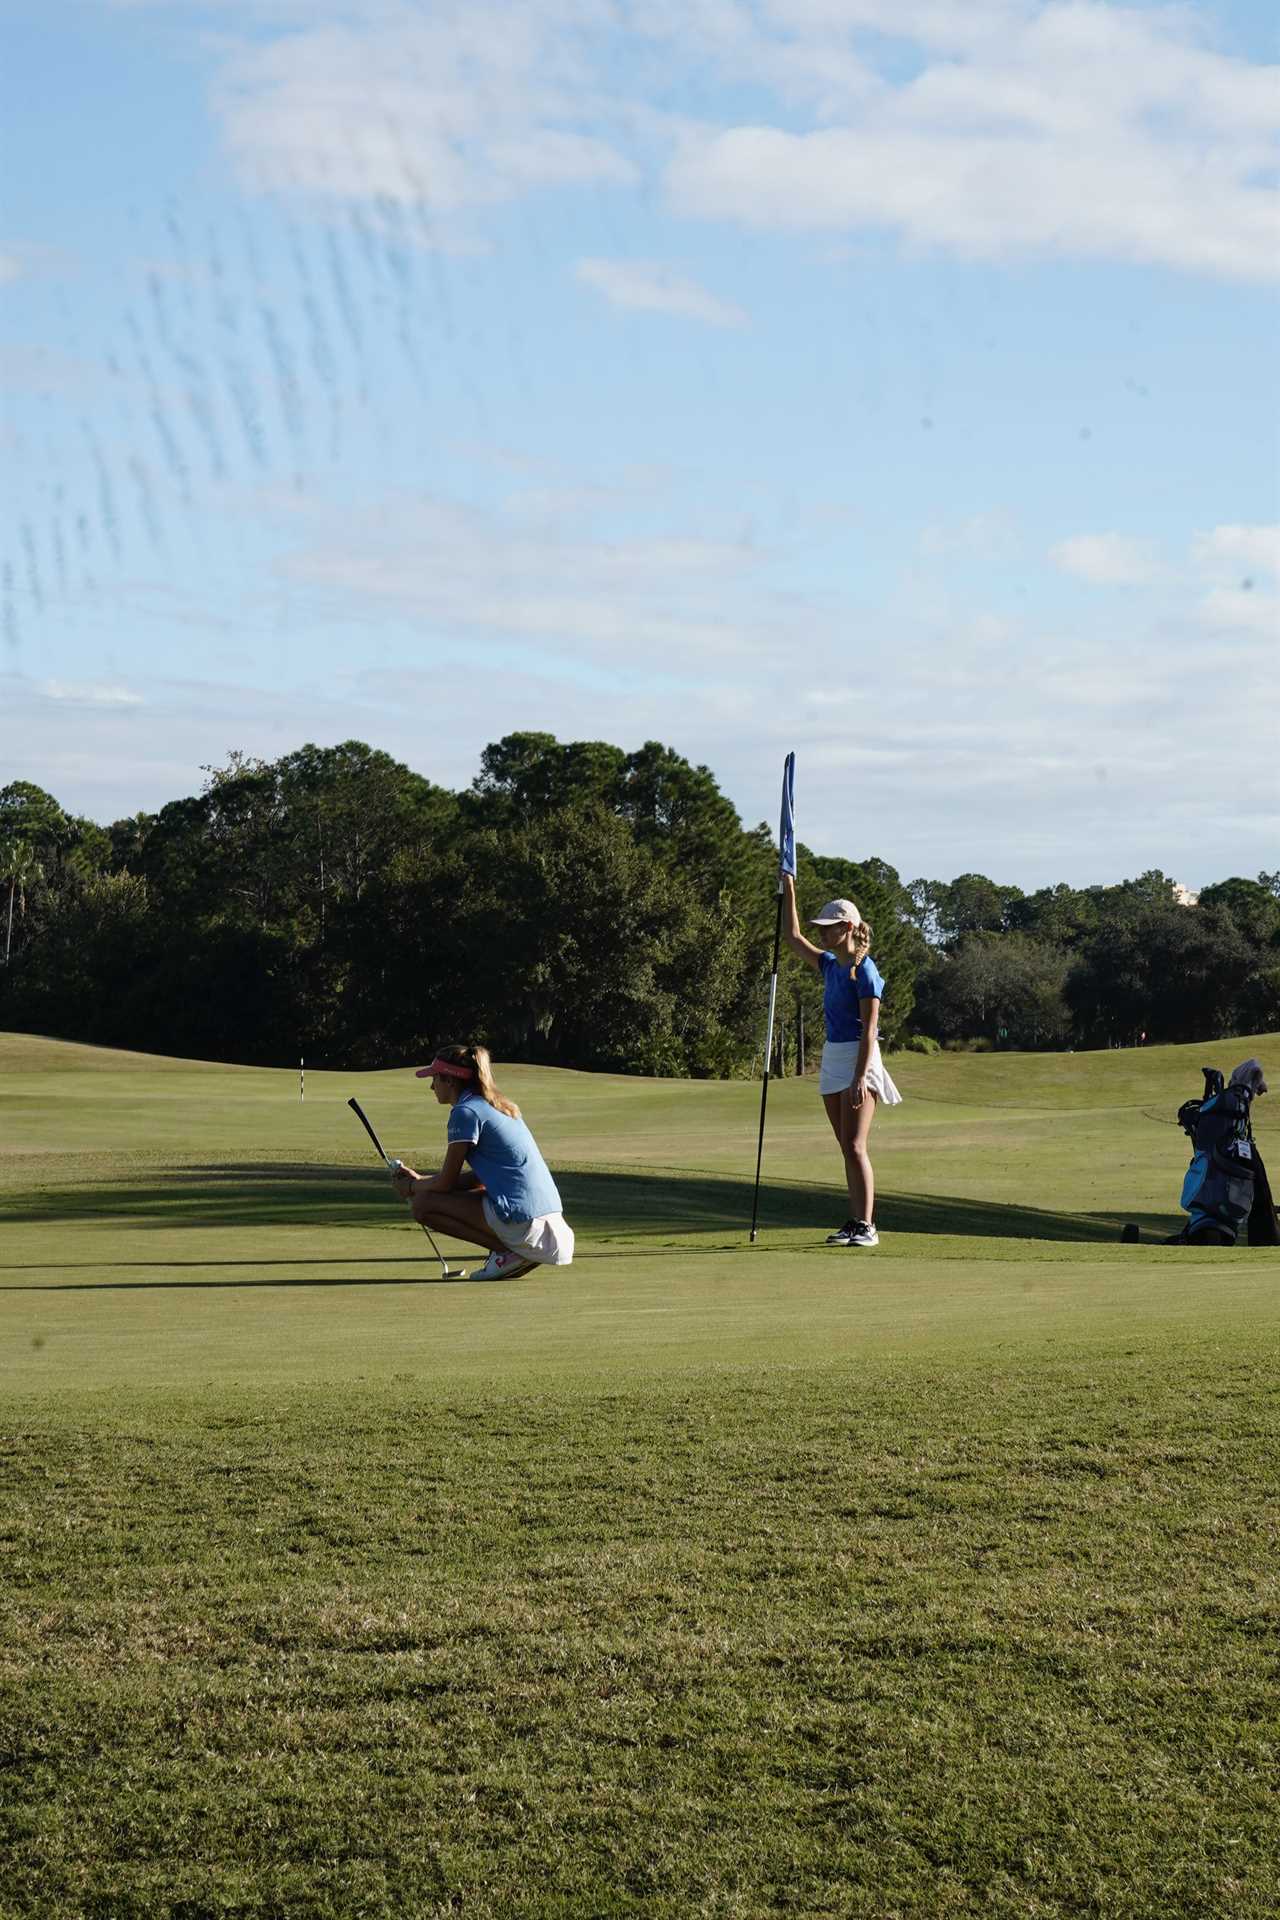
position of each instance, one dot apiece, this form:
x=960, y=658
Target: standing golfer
x=507, y=1200
x=853, y=1076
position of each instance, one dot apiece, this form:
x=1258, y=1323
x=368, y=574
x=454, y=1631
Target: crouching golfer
x=853, y=1077
x=507, y=1200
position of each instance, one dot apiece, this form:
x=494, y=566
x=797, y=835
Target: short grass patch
x=695, y=1580
x=907, y=1641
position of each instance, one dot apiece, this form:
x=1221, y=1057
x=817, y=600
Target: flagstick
x=768, y=1055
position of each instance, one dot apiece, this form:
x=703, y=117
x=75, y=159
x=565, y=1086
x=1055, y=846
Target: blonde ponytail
x=861, y=942
x=477, y=1059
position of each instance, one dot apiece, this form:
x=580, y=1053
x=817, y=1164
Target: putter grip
x=359, y=1112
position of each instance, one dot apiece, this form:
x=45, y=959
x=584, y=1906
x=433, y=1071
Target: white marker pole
x=302, y=1079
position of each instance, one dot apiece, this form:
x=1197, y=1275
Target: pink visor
x=445, y=1066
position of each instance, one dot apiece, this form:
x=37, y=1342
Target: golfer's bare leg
x=859, y=1161
x=458, y=1214
x=851, y=1125
x=838, y=1111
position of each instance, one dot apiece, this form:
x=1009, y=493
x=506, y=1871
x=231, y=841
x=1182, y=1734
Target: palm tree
x=19, y=866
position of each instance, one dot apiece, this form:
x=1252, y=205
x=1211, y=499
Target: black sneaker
x=843, y=1236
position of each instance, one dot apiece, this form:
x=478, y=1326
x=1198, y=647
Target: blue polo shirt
x=504, y=1155
x=840, y=994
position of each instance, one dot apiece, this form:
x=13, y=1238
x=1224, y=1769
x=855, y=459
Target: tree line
x=576, y=905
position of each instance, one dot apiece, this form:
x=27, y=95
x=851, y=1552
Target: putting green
x=176, y=1224
x=695, y=1579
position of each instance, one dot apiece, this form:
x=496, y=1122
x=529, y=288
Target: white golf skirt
x=839, y=1064
x=548, y=1239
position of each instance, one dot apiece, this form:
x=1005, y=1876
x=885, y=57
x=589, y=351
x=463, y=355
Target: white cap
x=834, y=912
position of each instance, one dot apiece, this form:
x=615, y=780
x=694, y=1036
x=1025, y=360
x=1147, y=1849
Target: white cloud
x=465, y=107
x=979, y=533
x=108, y=759
x=1076, y=129
x=1237, y=550
x=1240, y=610
x=1030, y=754
x=988, y=129
x=90, y=693
x=1232, y=581
x=32, y=260
x=986, y=736
x=648, y=286
x=1107, y=559
x=1239, y=567
x=671, y=604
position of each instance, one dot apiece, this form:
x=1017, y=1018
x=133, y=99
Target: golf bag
x=1218, y=1190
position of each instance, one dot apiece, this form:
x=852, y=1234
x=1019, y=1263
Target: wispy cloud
x=976, y=747
x=1107, y=559
x=979, y=533
x=678, y=603
x=1071, y=129
x=90, y=693
x=1028, y=724
x=1242, y=610
x=443, y=112
x=988, y=129
x=647, y=286
x=1237, y=550
x=1239, y=567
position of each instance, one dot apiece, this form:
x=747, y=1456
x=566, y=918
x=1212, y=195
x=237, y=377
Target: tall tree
x=27, y=812
x=1006, y=988
x=532, y=773
x=1171, y=972
x=588, y=952
x=1061, y=915
x=19, y=869
x=973, y=904
x=1254, y=908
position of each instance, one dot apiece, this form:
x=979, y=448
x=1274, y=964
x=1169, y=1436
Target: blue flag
x=787, y=829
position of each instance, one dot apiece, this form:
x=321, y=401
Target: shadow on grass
x=600, y=1204
x=432, y=1277
x=429, y=1277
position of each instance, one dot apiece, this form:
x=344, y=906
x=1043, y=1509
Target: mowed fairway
x=698, y=1578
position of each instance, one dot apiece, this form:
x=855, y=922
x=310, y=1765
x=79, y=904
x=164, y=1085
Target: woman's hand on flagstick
x=806, y=950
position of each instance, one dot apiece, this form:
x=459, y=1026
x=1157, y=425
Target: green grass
x=697, y=1579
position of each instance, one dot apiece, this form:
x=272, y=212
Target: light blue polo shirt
x=504, y=1155
x=840, y=994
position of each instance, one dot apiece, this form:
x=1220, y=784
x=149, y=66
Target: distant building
x=1184, y=896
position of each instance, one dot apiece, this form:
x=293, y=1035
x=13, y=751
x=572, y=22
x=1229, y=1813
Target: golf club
x=395, y=1166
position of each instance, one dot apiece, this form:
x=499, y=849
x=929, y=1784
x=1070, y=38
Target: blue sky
x=896, y=383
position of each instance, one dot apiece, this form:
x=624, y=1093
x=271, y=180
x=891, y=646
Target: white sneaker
x=862, y=1234
x=504, y=1266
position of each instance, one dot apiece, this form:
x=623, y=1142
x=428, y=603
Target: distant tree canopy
x=577, y=905
x=1097, y=966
